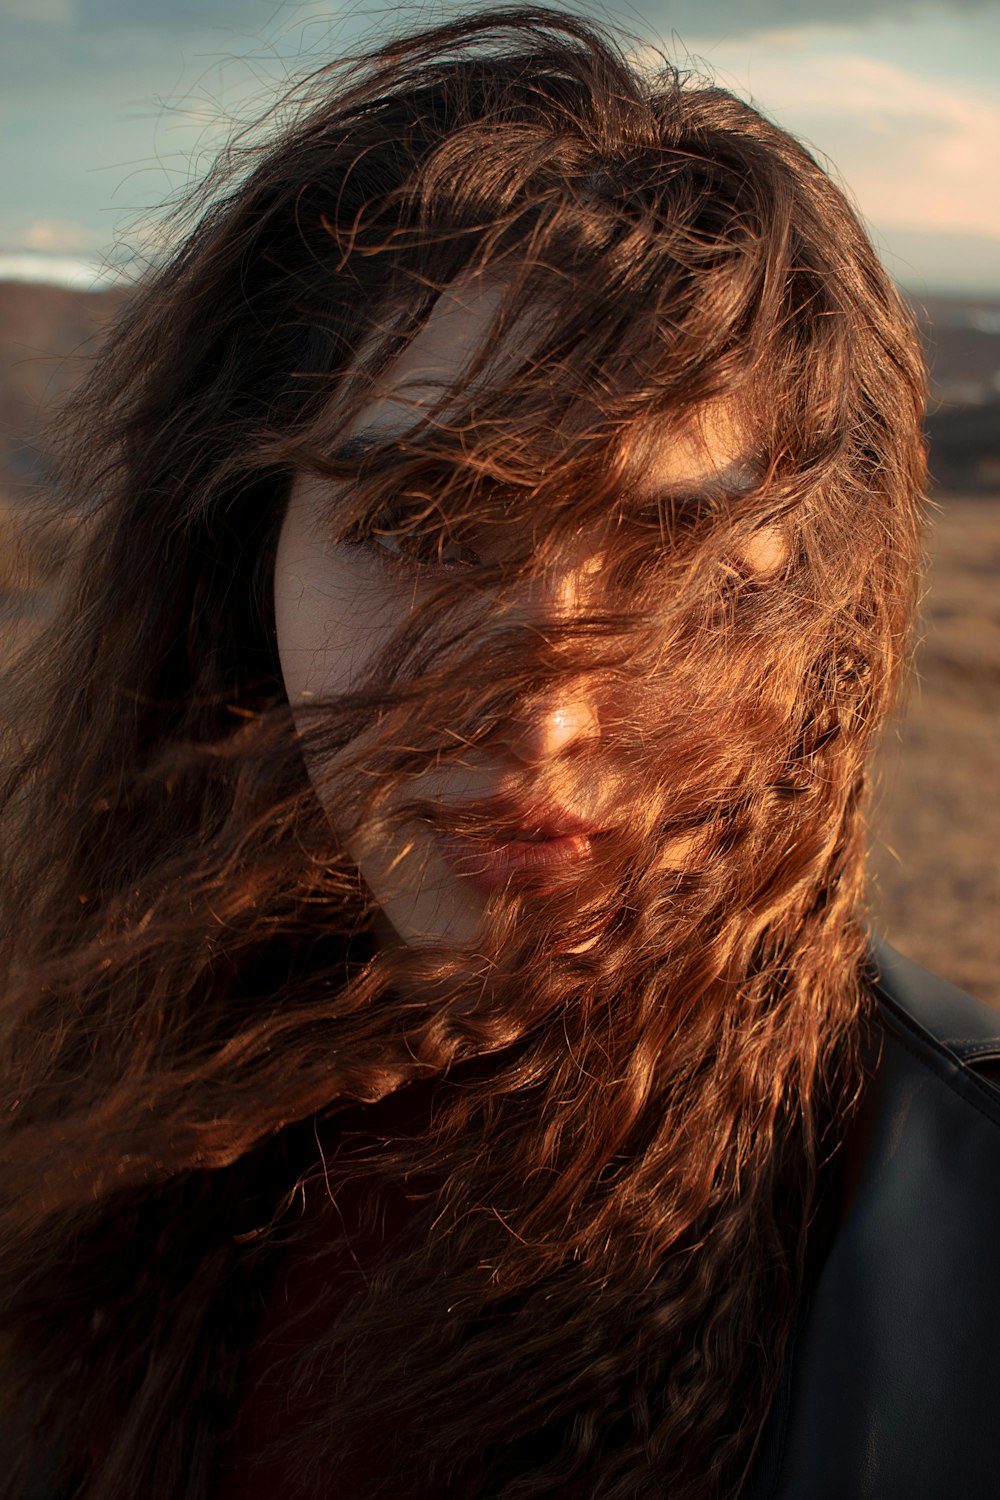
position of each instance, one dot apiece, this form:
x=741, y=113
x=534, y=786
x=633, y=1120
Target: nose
x=564, y=713
x=550, y=723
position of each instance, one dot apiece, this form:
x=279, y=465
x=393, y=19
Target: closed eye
x=412, y=534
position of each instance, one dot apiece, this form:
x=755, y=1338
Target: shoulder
x=954, y=1032
x=890, y=1387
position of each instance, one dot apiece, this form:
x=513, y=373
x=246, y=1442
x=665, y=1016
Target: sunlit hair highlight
x=638, y=1073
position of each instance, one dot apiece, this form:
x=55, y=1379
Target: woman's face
x=337, y=605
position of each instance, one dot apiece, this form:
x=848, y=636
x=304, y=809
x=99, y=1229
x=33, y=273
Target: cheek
x=333, y=617
x=331, y=622
x=766, y=552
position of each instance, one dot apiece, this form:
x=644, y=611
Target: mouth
x=526, y=841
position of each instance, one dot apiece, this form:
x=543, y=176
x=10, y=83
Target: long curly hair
x=637, y=1073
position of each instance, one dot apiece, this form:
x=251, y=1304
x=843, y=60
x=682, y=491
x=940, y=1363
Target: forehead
x=708, y=451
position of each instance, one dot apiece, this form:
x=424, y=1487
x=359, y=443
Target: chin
x=422, y=902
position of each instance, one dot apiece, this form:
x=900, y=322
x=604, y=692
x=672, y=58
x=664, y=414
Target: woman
x=436, y=996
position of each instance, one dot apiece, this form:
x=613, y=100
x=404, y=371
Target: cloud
x=40, y=12
x=915, y=151
x=927, y=260
x=56, y=236
x=69, y=271
x=166, y=15
x=257, y=16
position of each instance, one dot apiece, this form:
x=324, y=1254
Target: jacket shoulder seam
x=978, y=1049
x=966, y=1085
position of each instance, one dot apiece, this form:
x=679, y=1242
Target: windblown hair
x=640, y=1071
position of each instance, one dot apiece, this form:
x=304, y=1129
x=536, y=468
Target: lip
x=530, y=840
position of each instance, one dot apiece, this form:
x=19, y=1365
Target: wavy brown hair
x=639, y=1072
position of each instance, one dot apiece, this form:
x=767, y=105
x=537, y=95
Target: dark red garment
x=311, y=1287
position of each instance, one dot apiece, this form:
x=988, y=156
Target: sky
x=108, y=108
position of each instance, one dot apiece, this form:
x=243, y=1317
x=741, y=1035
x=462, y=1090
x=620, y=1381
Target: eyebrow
x=363, y=442
x=739, y=477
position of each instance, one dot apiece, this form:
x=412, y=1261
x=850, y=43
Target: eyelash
x=376, y=535
x=387, y=526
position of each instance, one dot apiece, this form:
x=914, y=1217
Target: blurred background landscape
x=110, y=106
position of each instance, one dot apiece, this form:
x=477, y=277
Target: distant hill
x=48, y=335
x=962, y=340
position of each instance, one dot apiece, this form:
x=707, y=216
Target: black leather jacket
x=891, y=1389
